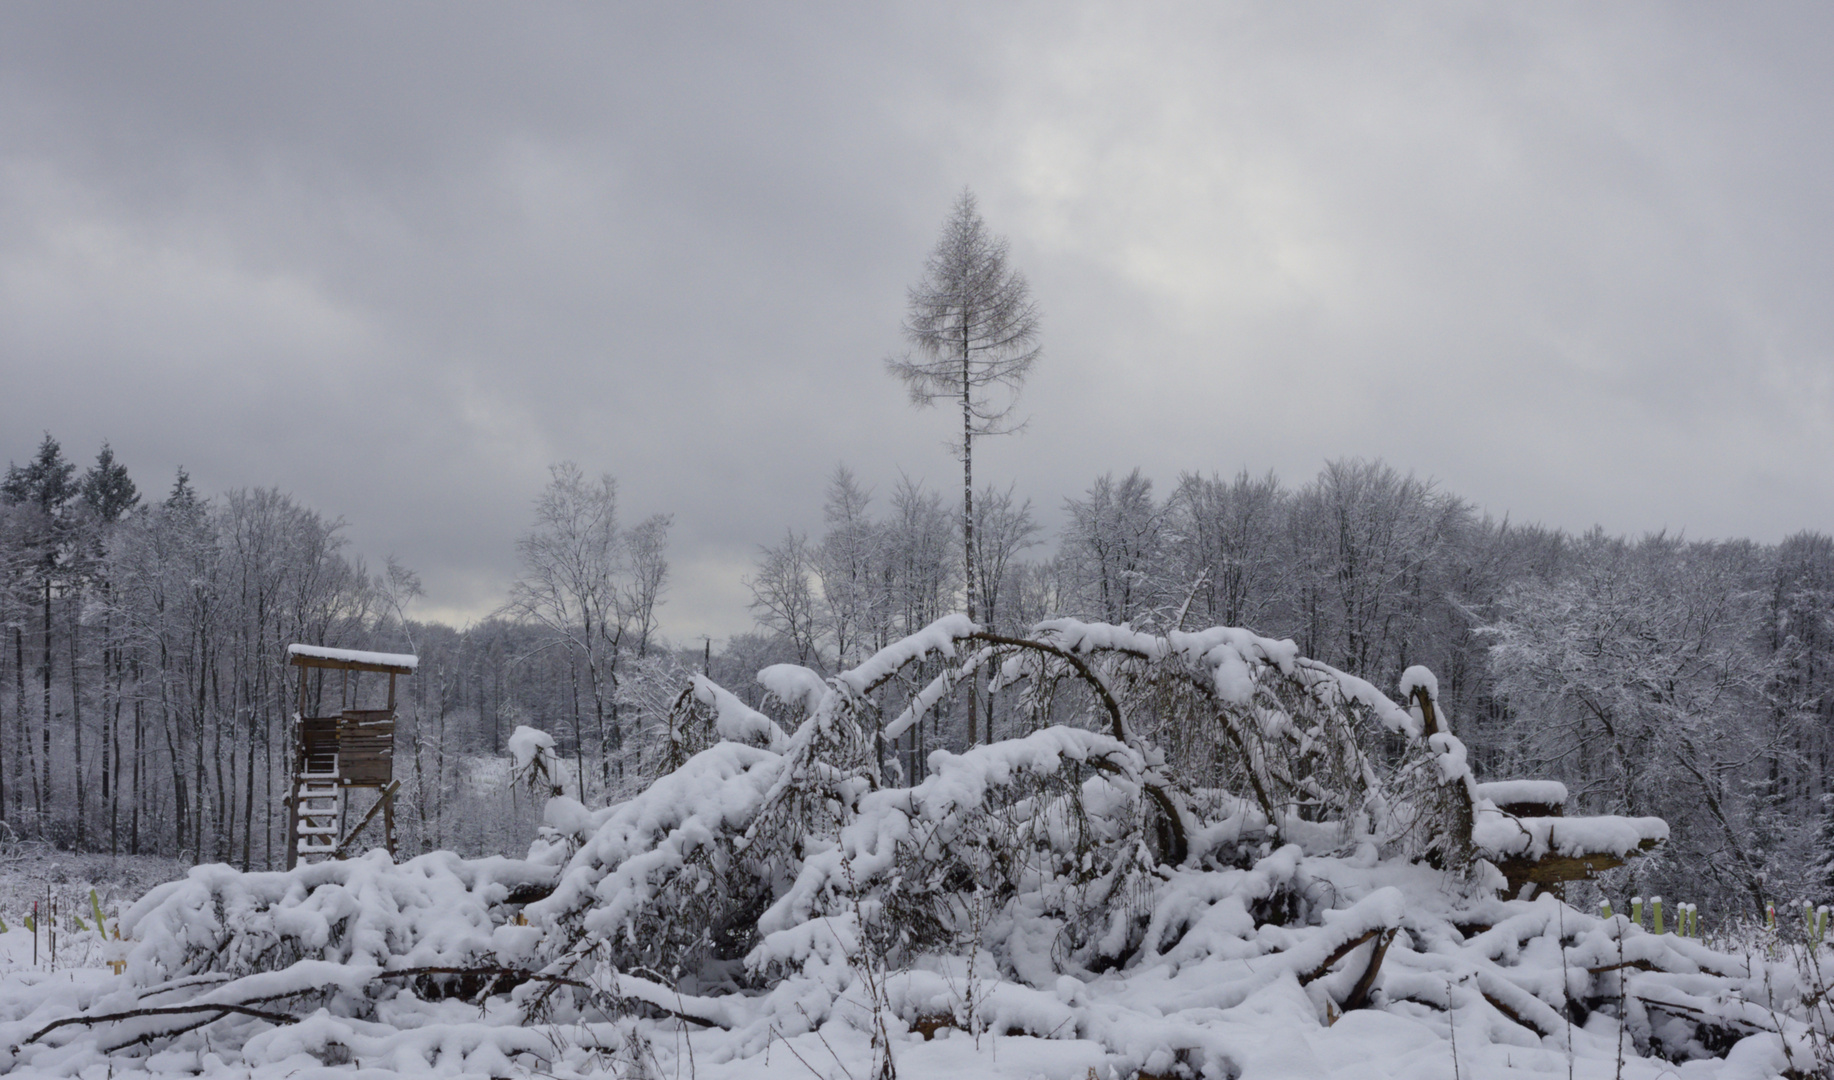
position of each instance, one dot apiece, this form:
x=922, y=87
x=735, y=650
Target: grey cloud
x=396, y=259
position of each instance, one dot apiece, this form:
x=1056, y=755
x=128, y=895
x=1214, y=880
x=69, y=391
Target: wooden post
x=1428, y=718
x=291, y=767
x=388, y=818
x=391, y=691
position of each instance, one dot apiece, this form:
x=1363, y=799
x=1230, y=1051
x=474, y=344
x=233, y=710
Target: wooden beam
x=388, y=800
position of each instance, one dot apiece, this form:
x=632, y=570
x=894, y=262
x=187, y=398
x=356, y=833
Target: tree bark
x=76, y=716
x=968, y=510
x=42, y=791
x=133, y=829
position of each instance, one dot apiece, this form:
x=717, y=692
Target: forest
x=147, y=693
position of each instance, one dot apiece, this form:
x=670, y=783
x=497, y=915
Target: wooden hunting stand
x=333, y=754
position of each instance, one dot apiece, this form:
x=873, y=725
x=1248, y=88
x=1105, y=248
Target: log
x=1342, y=951
x=221, y=1008
x=1556, y=869
x=1359, y=994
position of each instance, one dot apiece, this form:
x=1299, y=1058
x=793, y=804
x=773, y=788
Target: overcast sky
x=1571, y=261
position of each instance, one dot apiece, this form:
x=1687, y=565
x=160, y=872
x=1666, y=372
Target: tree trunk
x=579, y=737
x=18, y=717
x=224, y=842
x=111, y=734
x=175, y=758
x=181, y=800
x=76, y=716
x=133, y=829
x=42, y=791
x=248, y=797
x=968, y=513
x=200, y=776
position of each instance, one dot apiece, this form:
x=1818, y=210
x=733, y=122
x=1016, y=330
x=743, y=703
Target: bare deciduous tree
x=572, y=566
x=784, y=597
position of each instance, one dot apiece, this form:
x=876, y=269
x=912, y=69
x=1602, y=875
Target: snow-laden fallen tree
x=1210, y=857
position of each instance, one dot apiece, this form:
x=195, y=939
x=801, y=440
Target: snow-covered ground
x=1228, y=999
x=1058, y=905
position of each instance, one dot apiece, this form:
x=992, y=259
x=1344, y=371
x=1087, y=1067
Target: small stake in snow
x=1636, y=910
x=1604, y=908
x=120, y=962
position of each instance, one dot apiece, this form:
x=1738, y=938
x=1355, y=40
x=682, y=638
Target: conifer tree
x=975, y=329
x=44, y=484
x=106, y=488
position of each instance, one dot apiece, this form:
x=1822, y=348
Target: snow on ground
x=1048, y=906
x=1202, y=1008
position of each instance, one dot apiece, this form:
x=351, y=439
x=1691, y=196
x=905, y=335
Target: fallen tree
x=1196, y=824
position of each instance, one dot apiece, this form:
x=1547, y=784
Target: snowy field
x=1226, y=1001
x=1065, y=904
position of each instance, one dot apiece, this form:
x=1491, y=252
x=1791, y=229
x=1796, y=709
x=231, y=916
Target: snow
x=1225, y=999
x=526, y=744
x=1515, y=792
x=938, y=637
x=794, y=684
x=774, y=906
x=737, y=721
x=1419, y=678
x=1505, y=835
x=356, y=656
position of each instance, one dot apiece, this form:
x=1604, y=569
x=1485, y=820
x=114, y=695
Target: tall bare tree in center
x=974, y=327
x=590, y=583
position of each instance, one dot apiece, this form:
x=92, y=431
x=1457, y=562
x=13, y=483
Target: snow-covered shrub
x=1196, y=824
x=437, y=910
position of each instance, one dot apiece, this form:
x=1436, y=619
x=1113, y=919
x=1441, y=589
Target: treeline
x=147, y=697
x=1692, y=680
